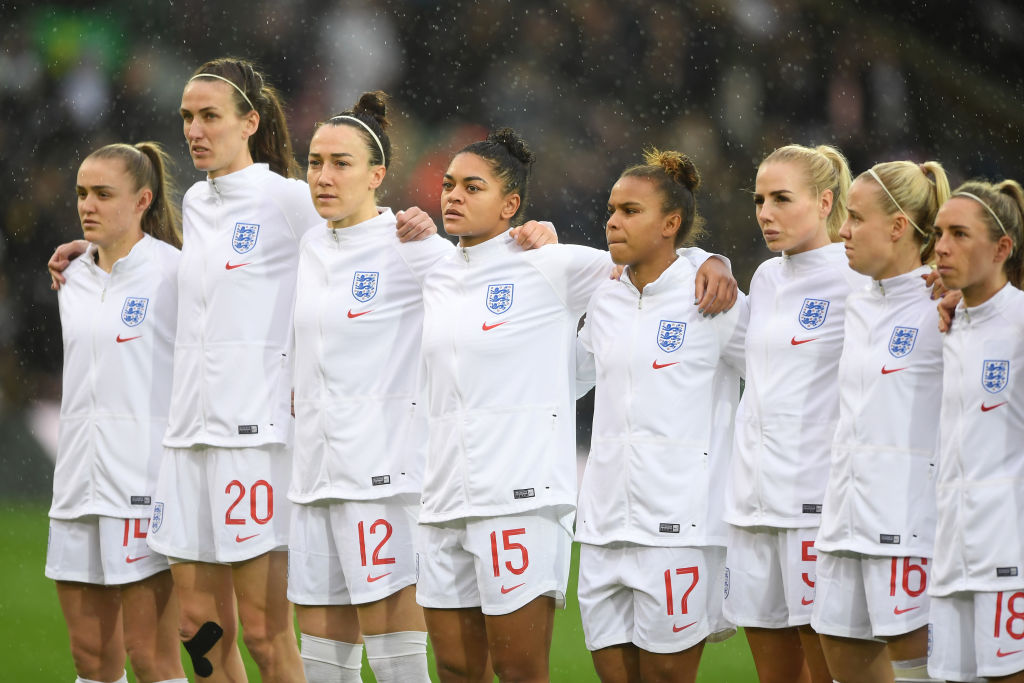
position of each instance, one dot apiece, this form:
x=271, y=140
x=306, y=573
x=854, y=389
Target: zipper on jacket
x=216, y=190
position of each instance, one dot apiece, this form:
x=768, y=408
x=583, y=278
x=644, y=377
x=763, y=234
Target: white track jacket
x=979, y=543
x=236, y=292
x=118, y=334
x=880, y=498
x=359, y=431
x=668, y=382
x=787, y=416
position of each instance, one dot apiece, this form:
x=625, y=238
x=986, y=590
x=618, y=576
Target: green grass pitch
x=34, y=642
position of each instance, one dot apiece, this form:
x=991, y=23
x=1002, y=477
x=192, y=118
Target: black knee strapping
x=202, y=642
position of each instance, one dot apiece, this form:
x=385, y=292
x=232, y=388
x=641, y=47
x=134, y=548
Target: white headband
x=874, y=175
x=369, y=130
x=229, y=82
x=987, y=208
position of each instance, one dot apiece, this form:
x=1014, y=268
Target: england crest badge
x=902, y=341
x=158, y=517
x=364, y=285
x=499, y=298
x=244, y=237
x=670, y=335
x=994, y=375
x=134, y=310
x=812, y=313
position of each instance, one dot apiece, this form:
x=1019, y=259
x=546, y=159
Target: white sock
x=398, y=657
x=122, y=679
x=174, y=680
x=911, y=670
x=331, y=661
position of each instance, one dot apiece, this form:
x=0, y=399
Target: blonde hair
x=907, y=188
x=147, y=165
x=825, y=168
x=1006, y=201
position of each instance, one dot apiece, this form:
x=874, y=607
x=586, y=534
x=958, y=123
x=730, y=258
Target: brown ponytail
x=147, y=164
x=271, y=143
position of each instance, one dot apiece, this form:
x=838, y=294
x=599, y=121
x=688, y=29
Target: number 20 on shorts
x=255, y=497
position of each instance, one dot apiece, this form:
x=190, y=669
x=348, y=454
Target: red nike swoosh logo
x=242, y=539
x=897, y=611
x=130, y=559
x=886, y=371
x=1000, y=653
x=805, y=601
x=356, y=315
x=985, y=408
x=658, y=366
x=509, y=590
x=228, y=266
x=797, y=342
x=491, y=327
x=371, y=579
x=677, y=629
x=122, y=340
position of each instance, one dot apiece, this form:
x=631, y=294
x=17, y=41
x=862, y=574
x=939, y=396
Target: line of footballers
x=272, y=402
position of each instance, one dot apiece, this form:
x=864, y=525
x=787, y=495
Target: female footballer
x=652, y=554
x=977, y=590
x=118, y=316
x=878, y=517
x=787, y=416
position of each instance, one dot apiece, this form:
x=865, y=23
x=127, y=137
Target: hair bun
x=373, y=104
x=676, y=165
x=515, y=144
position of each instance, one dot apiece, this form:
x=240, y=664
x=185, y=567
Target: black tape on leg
x=202, y=642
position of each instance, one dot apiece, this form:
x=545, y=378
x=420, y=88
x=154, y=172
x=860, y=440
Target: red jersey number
x=912, y=573
x=805, y=555
x=375, y=558
x=254, y=501
x=1014, y=623
x=138, y=532
x=669, y=599
x=509, y=546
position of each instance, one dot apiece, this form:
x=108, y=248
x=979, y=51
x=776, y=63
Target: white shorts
x=662, y=600
x=498, y=564
x=976, y=634
x=769, y=576
x=352, y=552
x=108, y=551
x=221, y=504
x=868, y=597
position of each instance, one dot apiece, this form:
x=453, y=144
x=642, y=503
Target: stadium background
x=588, y=82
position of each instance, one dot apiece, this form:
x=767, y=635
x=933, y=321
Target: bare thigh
x=852, y=660
x=93, y=617
x=520, y=642
x=206, y=594
x=778, y=655
x=459, y=639
x=150, y=614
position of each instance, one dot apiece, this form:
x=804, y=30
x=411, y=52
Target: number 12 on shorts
x=694, y=575
x=375, y=557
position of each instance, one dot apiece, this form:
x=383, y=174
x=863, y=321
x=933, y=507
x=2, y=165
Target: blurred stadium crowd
x=588, y=82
